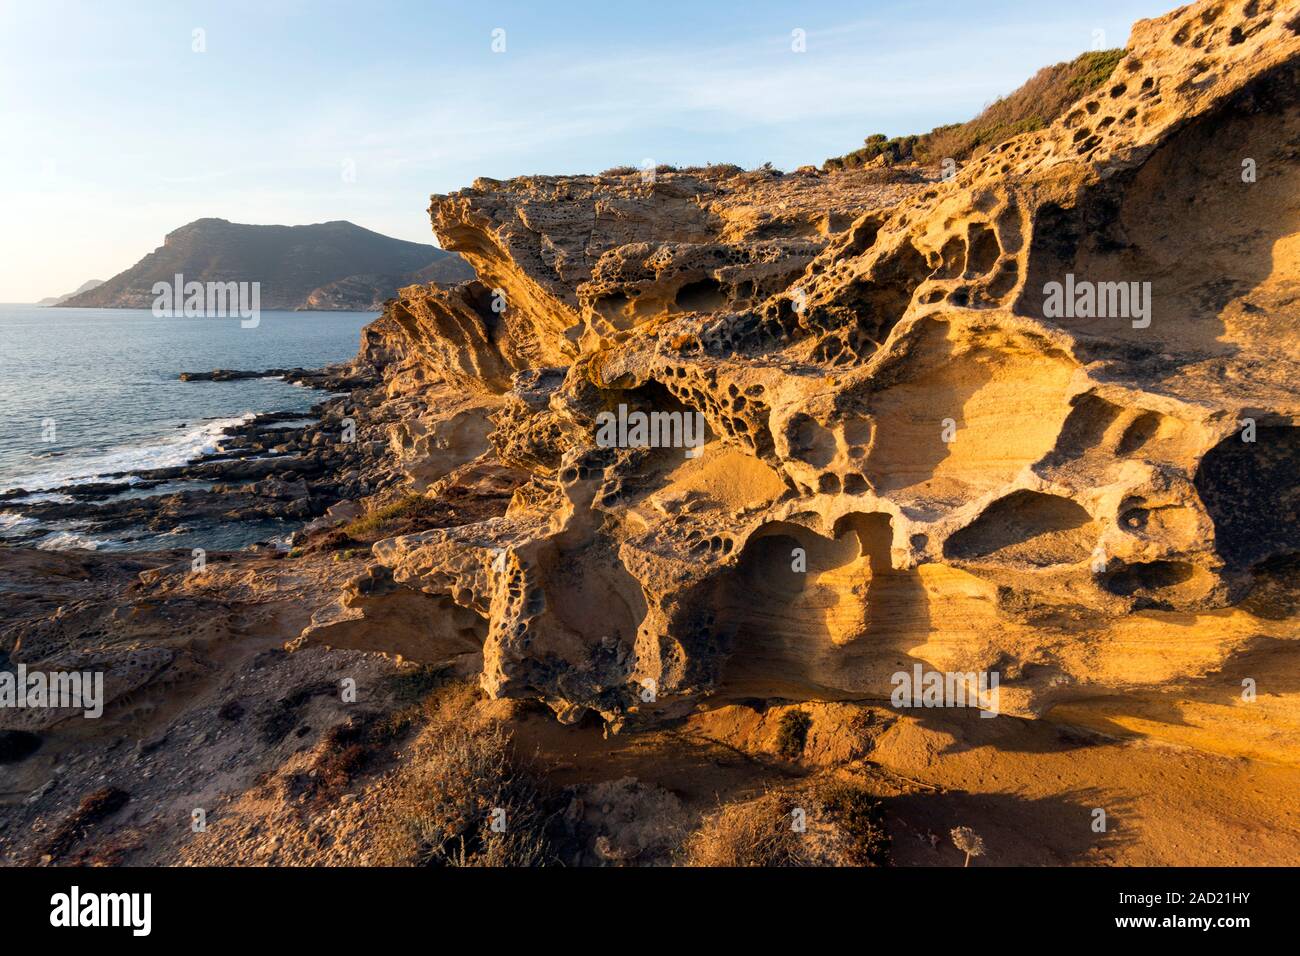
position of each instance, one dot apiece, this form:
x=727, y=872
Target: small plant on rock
x=792, y=734
x=969, y=842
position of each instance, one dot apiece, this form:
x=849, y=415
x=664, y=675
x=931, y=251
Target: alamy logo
x=920, y=688
x=75, y=908
x=83, y=690
x=208, y=300
x=1098, y=300
x=651, y=430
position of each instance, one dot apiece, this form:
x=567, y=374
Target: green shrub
x=1093, y=69
x=414, y=684
x=861, y=817
x=792, y=734
x=1033, y=106
x=404, y=516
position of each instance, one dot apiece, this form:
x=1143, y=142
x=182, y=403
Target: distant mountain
x=60, y=299
x=328, y=265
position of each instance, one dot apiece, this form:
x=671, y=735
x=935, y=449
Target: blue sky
x=116, y=131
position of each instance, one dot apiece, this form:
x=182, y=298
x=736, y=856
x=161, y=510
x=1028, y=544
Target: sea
x=90, y=392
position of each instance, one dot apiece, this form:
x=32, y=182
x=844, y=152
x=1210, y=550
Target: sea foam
x=168, y=452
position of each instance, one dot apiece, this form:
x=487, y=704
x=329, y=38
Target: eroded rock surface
x=914, y=454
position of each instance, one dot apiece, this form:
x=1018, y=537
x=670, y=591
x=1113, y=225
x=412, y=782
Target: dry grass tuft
x=754, y=833
x=406, y=515
x=461, y=778
x=842, y=825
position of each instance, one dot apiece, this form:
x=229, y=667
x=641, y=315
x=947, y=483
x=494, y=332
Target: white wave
x=68, y=541
x=169, y=452
x=48, y=496
x=11, y=520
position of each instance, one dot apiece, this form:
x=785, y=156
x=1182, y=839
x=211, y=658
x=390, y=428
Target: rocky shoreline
x=264, y=471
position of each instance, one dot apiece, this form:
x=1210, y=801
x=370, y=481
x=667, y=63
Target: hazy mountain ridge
x=330, y=265
x=60, y=299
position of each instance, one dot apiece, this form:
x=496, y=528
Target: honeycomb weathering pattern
x=1097, y=529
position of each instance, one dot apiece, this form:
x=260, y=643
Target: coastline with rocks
x=273, y=468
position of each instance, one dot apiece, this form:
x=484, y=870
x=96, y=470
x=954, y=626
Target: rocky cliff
x=1037, y=419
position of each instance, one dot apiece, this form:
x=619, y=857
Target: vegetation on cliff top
x=1033, y=106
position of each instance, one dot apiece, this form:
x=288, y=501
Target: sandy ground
x=1028, y=787
x=241, y=727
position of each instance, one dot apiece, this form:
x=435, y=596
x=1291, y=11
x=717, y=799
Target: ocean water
x=85, y=392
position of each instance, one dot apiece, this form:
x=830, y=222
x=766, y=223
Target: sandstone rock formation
x=925, y=444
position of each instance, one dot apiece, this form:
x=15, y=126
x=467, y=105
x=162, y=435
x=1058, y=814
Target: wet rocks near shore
x=333, y=378
x=277, y=468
